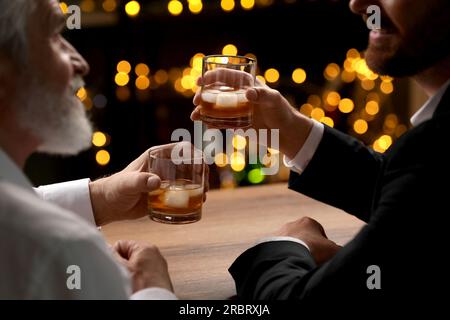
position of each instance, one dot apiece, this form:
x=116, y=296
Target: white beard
x=58, y=121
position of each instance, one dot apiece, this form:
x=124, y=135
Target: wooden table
x=199, y=254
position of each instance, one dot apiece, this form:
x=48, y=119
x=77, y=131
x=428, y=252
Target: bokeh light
x=132, y=8
x=230, y=50
x=99, y=139
x=299, y=75
x=102, y=157
x=272, y=75
x=175, y=7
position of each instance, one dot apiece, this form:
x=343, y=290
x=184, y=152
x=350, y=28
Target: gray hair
x=14, y=16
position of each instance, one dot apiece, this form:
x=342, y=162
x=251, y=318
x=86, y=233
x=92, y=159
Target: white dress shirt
x=42, y=235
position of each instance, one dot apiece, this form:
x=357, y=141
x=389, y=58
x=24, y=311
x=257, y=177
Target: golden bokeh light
x=328, y=121
x=353, y=54
x=272, y=75
x=102, y=157
x=99, y=139
x=230, y=50
x=195, y=6
x=87, y=6
x=227, y=5
x=124, y=67
x=197, y=61
x=142, y=69
x=348, y=76
x=82, y=94
x=175, y=7
x=367, y=84
x=386, y=78
x=346, y=105
x=63, y=6
x=142, y=82
x=333, y=98
x=221, y=160
x=331, y=71
x=122, y=79
x=306, y=109
x=261, y=79
x=187, y=82
x=372, y=107
x=299, y=75
x=385, y=142
x=360, y=126
x=401, y=129
x=391, y=121
x=109, y=5
x=161, y=76
x=132, y=8
x=386, y=87
x=247, y=4
x=178, y=86
x=239, y=142
x=373, y=96
x=317, y=114
x=237, y=161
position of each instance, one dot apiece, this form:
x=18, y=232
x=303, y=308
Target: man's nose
x=360, y=6
x=80, y=66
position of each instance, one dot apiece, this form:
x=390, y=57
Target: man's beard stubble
x=57, y=120
x=417, y=51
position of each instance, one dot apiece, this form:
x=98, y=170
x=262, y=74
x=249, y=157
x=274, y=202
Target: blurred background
x=145, y=57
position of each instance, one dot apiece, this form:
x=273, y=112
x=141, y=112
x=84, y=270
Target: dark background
x=283, y=34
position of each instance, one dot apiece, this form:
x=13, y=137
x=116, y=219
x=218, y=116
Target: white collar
x=426, y=111
x=11, y=172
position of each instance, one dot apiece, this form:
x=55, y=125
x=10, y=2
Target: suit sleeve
x=410, y=204
x=342, y=173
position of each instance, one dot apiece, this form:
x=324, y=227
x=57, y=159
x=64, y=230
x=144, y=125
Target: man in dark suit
x=402, y=194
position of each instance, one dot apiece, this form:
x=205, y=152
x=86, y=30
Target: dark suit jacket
x=403, y=196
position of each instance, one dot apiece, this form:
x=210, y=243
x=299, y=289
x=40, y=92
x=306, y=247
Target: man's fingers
x=139, y=182
x=261, y=94
x=195, y=115
x=123, y=248
x=197, y=97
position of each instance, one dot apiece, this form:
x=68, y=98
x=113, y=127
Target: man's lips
x=386, y=26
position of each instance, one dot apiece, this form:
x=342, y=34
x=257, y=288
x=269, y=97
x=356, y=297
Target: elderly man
x=42, y=243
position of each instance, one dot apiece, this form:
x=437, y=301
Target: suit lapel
x=444, y=105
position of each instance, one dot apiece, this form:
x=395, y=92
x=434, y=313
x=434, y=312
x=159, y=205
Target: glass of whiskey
x=223, y=92
x=179, y=199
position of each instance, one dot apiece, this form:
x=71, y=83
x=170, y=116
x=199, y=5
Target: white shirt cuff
x=305, y=154
x=72, y=195
x=271, y=239
x=154, y=294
